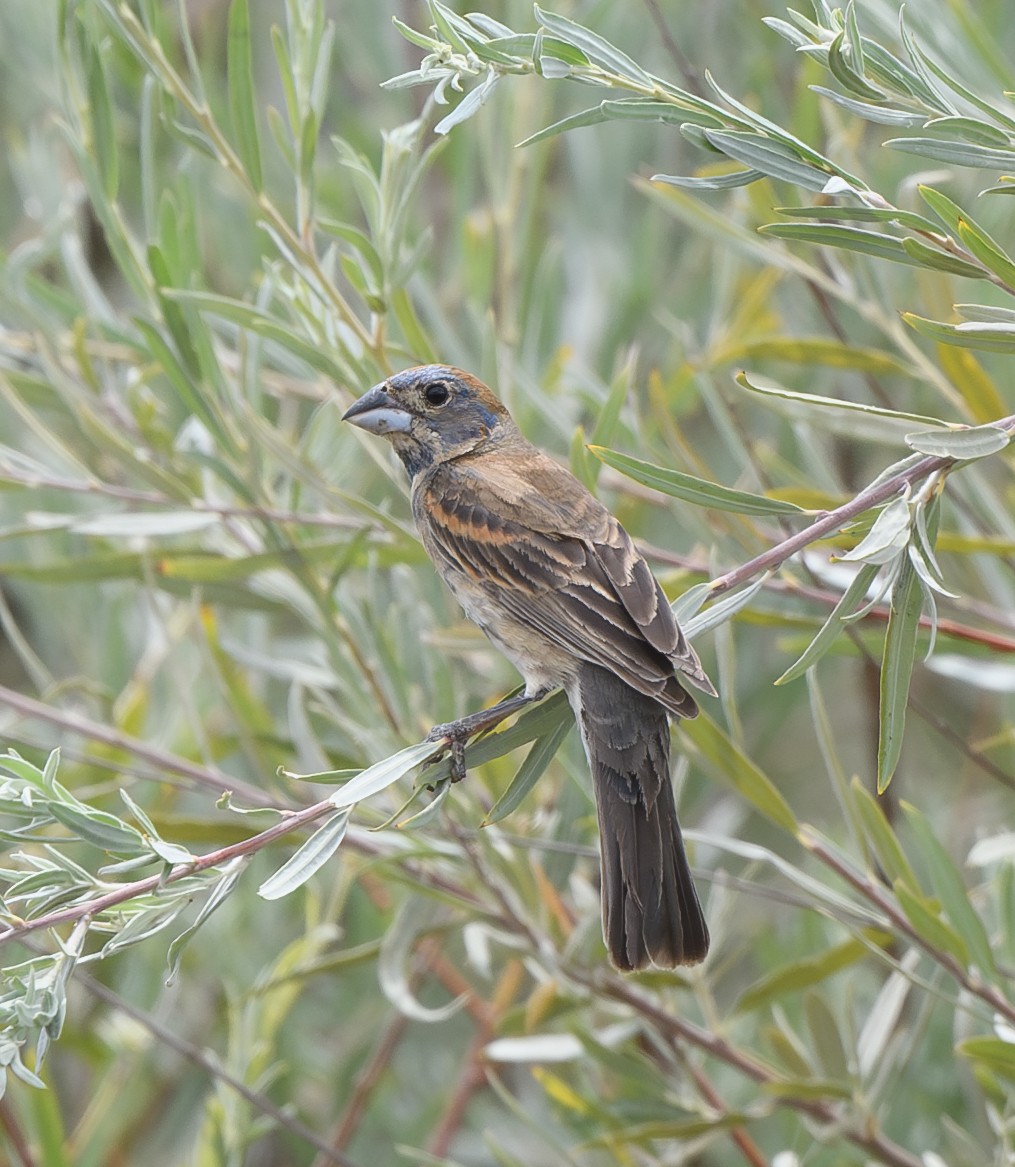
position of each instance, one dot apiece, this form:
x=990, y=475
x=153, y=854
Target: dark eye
x=437, y=393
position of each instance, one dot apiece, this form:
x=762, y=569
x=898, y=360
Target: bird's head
x=431, y=414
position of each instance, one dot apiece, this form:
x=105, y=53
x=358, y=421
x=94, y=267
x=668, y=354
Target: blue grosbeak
x=555, y=582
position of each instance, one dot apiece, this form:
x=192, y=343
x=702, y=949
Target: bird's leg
x=457, y=733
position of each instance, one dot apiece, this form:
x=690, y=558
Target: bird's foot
x=457, y=733
x=456, y=736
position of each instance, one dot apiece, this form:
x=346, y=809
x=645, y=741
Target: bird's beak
x=377, y=412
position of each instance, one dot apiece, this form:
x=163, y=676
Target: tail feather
x=651, y=913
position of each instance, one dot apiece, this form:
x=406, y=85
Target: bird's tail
x=651, y=913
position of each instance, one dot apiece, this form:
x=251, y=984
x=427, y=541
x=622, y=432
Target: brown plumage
x=556, y=583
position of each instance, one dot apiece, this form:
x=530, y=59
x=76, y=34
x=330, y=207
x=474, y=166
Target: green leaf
x=861, y=214
x=888, y=537
x=966, y=129
x=819, y=351
x=723, y=609
x=99, y=828
x=588, y=117
x=880, y=836
x=103, y=125
x=383, y=774
x=925, y=917
x=874, y=243
x=715, y=182
x=885, y=115
x=955, y=153
x=541, y=754
x=824, y=1024
x=833, y=626
x=847, y=73
x=838, y=403
x=799, y=974
x=599, y=51
x=247, y=316
x=952, y=891
x=993, y=1053
x=973, y=442
x=691, y=489
x=242, y=108
x=989, y=253
x=933, y=257
x=309, y=859
x=219, y=894
x=730, y=764
x=993, y=338
x=897, y=669
x=769, y=156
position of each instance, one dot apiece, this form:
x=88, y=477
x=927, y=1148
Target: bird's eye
x=437, y=393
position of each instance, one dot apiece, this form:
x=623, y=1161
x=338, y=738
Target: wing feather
x=559, y=564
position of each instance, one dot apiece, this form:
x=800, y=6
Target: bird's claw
x=452, y=734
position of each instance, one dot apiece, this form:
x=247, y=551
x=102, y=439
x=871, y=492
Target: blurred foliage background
x=217, y=230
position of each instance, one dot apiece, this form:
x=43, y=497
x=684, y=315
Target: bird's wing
x=538, y=543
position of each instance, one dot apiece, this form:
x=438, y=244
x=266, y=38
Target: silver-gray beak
x=376, y=412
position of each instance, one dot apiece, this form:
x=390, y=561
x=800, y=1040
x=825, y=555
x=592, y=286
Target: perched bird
x=556, y=583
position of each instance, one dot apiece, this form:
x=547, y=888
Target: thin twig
x=209, y=777
x=875, y=893
x=292, y=821
x=680, y=1030
x=198, y=1057
x=832, y=520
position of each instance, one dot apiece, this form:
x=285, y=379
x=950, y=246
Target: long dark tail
x=651, y=913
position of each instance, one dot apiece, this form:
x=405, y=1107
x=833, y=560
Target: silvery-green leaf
x=887, y=537
x=719, y=612
x=974, y=442
x=383, y=774
x=310, y=857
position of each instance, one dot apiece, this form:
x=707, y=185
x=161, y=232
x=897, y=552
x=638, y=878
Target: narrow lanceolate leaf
x=924, y=914
x=721, y=611
x=769, y=156
x=951, y=890
x=729, y=763
x=994, y=1054
x=989, y=253
x=800, y=974
x=833, y=626
x=103, y=125
x=874, y=243
x=886, y=539
x=885, y=115
x=711, y=182
x=988, y=337
x=383, y=774
x=897, y=669
x=770, y=389
x=880, y=836
x=576, y=121
x=861, y=214
x=975, y=442
x=314, y=853
x=691, y=489
x=956, y=153
x=932, y=257
x=599, y=51
x=239, y=69
x=531, y=770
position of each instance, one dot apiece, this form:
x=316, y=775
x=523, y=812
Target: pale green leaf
x=306, y=861
x=692, y=489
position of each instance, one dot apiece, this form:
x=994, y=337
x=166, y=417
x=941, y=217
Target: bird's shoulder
x=498, y=493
